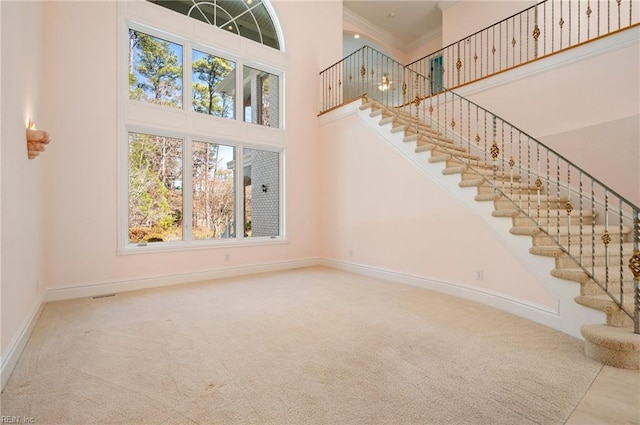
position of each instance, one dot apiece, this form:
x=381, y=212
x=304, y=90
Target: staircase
x=586, y=251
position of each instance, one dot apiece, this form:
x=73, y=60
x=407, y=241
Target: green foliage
x=155, y=171
x=208, y=72
x=155, y=71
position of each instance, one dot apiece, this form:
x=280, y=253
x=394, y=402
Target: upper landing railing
x=541, y=30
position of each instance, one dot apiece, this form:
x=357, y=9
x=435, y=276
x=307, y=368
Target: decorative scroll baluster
x=538, y=180
x=568, y=207
x=581, y=217
x=593, y=227
x=548, y=193
x=621, y=229
x=589, y=11
x=495, y=151
x=634, y=265
x=606, y=239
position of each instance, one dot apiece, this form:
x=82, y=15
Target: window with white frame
x=202, y=174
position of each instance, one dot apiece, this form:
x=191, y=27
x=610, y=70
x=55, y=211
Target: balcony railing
x=567, y=209
x=547, y=28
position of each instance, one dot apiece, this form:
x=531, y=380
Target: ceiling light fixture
x=356, y=36
x=385, y=84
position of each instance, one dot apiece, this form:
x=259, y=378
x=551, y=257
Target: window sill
x=162, y=247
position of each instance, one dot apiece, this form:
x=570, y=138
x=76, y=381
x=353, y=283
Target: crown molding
x=373, y=30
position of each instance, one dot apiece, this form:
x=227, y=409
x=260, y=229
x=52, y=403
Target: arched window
x=247, y=18
x=202, y=130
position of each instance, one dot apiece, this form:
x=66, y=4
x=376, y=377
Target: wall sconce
x=264, y=188
x=36, y=140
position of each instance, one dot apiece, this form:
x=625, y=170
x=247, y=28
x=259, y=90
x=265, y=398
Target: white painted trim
x=11, y=355
x=339, y=113
x=525, y=309
x=111, y=287
x=373, y=30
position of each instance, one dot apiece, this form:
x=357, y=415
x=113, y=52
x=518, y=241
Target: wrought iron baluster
x=581, y=216
x=558, y=192
x=621, y=243
x=634, y=265
x=568, y=207
x=548, y=192
x=589, y=19
x=606, y=239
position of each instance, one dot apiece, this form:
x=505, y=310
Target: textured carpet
x=308, y=346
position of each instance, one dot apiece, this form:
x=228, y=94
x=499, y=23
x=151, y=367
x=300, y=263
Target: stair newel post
x=634, y=265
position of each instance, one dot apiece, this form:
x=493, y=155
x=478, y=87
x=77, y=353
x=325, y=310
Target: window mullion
x=187, y=74
x=239, y=192
x=187, y=190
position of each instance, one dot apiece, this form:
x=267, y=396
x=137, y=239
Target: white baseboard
x=111, y=287
x=530, y=311
x=11, y=355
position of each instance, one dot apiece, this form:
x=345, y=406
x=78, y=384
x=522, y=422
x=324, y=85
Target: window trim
x=188, y=125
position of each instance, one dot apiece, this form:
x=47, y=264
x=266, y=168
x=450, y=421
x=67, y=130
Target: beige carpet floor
x=308, y=346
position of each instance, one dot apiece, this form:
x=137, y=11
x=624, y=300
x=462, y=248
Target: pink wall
x=379, y=210
x=81, y=190
x=464, y=18
x=22, y=179
x=427, y=48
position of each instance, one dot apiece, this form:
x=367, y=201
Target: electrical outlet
x=480, y=275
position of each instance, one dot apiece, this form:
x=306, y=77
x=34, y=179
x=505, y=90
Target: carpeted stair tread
x=487, y=197
x=454, y=170
x=477, y=164
x=399, y=128
x=367, y=105
x=555, y=251
x=617, y=347
x=424, y=148
x=574, y=230
x=441, y=156
x=619, y=338
x=574, y=274
x=387, y=120
x=602, y=302
x=546, y=251
x=599, y=273
x=505, y=213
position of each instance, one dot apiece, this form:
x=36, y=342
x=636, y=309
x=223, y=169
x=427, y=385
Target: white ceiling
x=402, y=23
